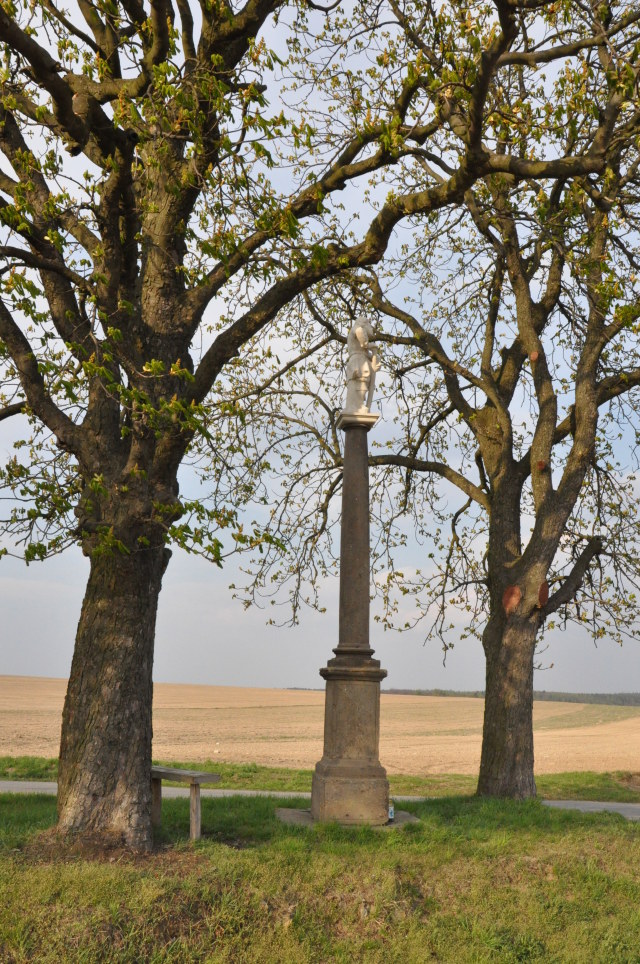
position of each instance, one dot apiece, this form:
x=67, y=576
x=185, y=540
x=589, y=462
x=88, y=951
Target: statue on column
x=362, y=366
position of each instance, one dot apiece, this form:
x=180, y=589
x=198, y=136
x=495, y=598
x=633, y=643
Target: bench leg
x=194, y=812
x=156, y=802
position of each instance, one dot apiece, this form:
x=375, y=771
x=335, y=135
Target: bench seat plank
x=186, y=776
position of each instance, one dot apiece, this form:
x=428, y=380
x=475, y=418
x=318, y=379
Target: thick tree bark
x=105, y=752
x=506, y=765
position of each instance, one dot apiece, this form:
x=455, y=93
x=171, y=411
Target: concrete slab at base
x=303, y=818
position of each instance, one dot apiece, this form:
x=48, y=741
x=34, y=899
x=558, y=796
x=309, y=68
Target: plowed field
x=419, y=734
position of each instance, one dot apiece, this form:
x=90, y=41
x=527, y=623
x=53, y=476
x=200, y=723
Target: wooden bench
x=194, y=778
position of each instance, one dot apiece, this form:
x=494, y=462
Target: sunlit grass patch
x=475, y=880
x=28, y=768
x=620, y=786
x=617, y=787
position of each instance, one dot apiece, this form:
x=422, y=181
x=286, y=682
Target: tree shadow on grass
x=238, y=822
x=22, y=815
x=250, y=822
x=479, y=816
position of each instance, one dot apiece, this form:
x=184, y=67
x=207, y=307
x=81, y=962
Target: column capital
x=354, y=420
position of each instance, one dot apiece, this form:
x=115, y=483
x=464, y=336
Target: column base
x=343, y=791
x=349, y=784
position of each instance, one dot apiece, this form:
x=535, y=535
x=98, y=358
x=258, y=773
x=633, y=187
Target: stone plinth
x=349, y=784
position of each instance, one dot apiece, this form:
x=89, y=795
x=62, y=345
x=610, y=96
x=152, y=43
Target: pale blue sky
x=204, y=636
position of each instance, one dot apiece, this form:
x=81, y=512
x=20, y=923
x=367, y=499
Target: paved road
x=41, y=786
x=629, y=810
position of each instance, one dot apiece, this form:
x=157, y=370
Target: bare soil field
x=419, y=734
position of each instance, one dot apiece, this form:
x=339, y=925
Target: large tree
x=156, y=215
x=509, y=326
x=533, y=388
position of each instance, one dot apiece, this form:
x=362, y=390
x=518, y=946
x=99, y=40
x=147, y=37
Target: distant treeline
x=612, y=699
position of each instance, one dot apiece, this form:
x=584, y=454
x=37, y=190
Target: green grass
x=475, y=881
x=28, y=768
x=618, y=786
x=593, y=714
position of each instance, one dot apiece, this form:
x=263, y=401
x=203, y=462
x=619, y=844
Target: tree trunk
x=506, y=765
x=105, y=753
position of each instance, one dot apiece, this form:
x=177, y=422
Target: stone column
x=349, y=784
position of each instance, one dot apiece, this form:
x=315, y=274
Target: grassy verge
x=476, y=880
x=28, y=768
x=620, y=787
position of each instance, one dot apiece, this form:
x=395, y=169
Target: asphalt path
x=42, y=786
x=631, y=811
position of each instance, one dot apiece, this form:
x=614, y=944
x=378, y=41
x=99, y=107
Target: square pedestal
x=349, y=784
x=348, y=794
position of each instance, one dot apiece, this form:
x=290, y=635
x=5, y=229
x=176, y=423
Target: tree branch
x=435, y=468
x=21, y=256
x=574, y=580
x=66, y=431
x=533, y=57
x=17, y=408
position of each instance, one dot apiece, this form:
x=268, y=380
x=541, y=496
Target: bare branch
x=17, y=408
x=20, y=256
x=436, y=468
x=573, y=581
x=33, y=385
x=548, y=55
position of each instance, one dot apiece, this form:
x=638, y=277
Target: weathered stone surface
x=355, y=572
x=352, y=717
x=350, y=794
x=349, y=784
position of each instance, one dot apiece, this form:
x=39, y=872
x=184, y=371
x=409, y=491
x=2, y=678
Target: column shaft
x=355, y=577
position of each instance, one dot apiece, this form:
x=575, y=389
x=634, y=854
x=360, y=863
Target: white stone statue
x=362, y=366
